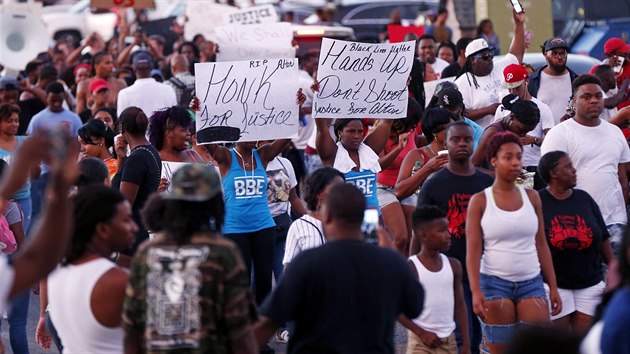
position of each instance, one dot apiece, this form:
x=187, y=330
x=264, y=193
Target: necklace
x=432, y=151
x=246, y=165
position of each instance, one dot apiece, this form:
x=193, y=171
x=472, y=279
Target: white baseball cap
x=477, y=46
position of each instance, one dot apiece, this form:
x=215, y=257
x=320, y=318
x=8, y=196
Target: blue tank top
x=246, y=208
x=25, y=191
x=366, y=182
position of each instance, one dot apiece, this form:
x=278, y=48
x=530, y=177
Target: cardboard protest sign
x=363, y=80
x=252, y=15
x=247, y=100
x=397, y=33
x=204, y=16
x=268, y=41
x=137, y=4
x=429, y=88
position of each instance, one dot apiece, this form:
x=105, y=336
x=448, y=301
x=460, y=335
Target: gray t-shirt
x=13, y=214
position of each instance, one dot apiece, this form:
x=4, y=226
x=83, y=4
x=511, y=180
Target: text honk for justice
x=363, y=80
x=247, y=100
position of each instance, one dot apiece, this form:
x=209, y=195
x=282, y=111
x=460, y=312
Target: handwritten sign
x=268, y=41
x=168, y=168
x=363, y=80
x=429, y=87
x=204, y=16
x=247, y=100
x=137, y=4
x=253, y=15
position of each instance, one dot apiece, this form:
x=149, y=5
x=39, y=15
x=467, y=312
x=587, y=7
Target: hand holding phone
x=516, y=4
x=370, y=223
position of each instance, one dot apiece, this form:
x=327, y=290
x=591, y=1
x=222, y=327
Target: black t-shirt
x=452, y=70
x=452, y=193
x=575, y=231
x=85, y=116
x=28, y=108
x=344, y=297
x=142, y=167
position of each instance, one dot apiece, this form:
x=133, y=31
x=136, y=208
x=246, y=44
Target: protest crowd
x=219, y=200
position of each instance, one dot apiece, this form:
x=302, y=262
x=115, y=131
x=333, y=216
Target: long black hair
x=416, y=84
x=92, y=205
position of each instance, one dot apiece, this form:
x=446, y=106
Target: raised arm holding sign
x=363, y=80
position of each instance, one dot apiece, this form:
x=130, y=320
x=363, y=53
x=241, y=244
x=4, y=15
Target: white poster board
x=363, y=80
x=253, y=15
x=268, y=41
x=203, y=16
x=168, y=168
x=247, y=100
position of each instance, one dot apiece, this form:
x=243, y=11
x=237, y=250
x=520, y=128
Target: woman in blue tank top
x=354, y=156
x=248, y=221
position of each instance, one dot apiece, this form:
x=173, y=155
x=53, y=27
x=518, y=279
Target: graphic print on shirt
x=278, y=187
x=247, y=187
x=173, y=301
x=456, y=214
x=570, y=232
x=366, y=182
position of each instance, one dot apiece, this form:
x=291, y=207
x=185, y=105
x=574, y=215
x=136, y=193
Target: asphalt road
x=33, y=316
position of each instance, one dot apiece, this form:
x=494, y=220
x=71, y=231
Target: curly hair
x=548, y=162
x=500, y=139
x=317, y=182
x=167, y=119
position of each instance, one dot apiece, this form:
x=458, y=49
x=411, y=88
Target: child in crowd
x=433, y=332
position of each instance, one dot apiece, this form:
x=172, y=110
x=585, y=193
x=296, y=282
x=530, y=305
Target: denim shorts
x=387, y=195
x=494, y=288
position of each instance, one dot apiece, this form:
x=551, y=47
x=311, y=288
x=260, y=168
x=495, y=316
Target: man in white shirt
x=146, y=93
x=427, y=52
x=552, y=83
x=598, y=151
x=182, y=81
x=515, y=77
x=483, y=79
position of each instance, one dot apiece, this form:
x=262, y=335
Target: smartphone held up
x=516, y=4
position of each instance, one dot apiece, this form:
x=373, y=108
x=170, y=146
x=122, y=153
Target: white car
x=78, y=21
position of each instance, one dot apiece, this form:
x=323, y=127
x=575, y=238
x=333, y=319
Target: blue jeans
x=26, y=206
x=312, y=163
x=494, y=288
x=18, y=314
x=282, y=228
x=474, y=328
x=616, y=235
x=50, y=327
x=38, y=188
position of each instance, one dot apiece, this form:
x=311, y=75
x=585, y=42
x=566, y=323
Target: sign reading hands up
x=363, y=80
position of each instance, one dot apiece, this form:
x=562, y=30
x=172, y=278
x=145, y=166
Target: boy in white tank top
x=441, y=277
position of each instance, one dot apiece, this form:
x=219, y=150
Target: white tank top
x=69, y=291
x=509, y=240
x=439, y=298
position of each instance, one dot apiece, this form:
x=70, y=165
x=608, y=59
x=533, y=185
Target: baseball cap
x=614, y=45
x=450, y=97
x=554, y=43
x=8, y=82
x=142, y=60
x=514, y=75
x=80, y=67
x=98, y=84
x=477, y=46
x=157, y=72
x=194, y=183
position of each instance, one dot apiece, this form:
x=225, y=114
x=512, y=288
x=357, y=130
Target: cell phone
x=370, y=223
x=516, y=4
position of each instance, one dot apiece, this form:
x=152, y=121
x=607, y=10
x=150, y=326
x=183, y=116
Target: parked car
x=581, y=64
x=78, y=21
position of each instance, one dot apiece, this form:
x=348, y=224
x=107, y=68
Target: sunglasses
x=486, y=57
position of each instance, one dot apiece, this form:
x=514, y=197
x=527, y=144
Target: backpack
x=188, y=91
x=8, y=244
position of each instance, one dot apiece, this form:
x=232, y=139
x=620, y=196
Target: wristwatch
x=537, y=141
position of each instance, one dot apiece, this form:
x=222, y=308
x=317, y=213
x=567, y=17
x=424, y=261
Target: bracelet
x=114, y=256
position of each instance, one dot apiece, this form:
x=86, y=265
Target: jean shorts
x=494, y=288
x=387, y=195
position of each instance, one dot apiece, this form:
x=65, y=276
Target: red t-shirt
x=389, y=176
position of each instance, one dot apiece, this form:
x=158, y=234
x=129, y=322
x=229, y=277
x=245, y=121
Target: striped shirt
x=305, y=233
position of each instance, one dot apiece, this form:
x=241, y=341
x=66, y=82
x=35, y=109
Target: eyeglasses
x=486, y=57
x=557, y=53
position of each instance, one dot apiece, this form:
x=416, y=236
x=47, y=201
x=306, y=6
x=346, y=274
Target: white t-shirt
x=596, y=153
x=531, y=153
x=439, y=66
x=307, y=126
x=281, y=178
x=488, y=91
x=609, y=113
x=555, y=91
x=305, y=233
x=148, y=95
x=6, y=274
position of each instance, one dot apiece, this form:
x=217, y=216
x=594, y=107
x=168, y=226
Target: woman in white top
x=507, y=252
x=306, y=232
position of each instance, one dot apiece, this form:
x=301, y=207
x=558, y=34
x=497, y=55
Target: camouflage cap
x=194, y=183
